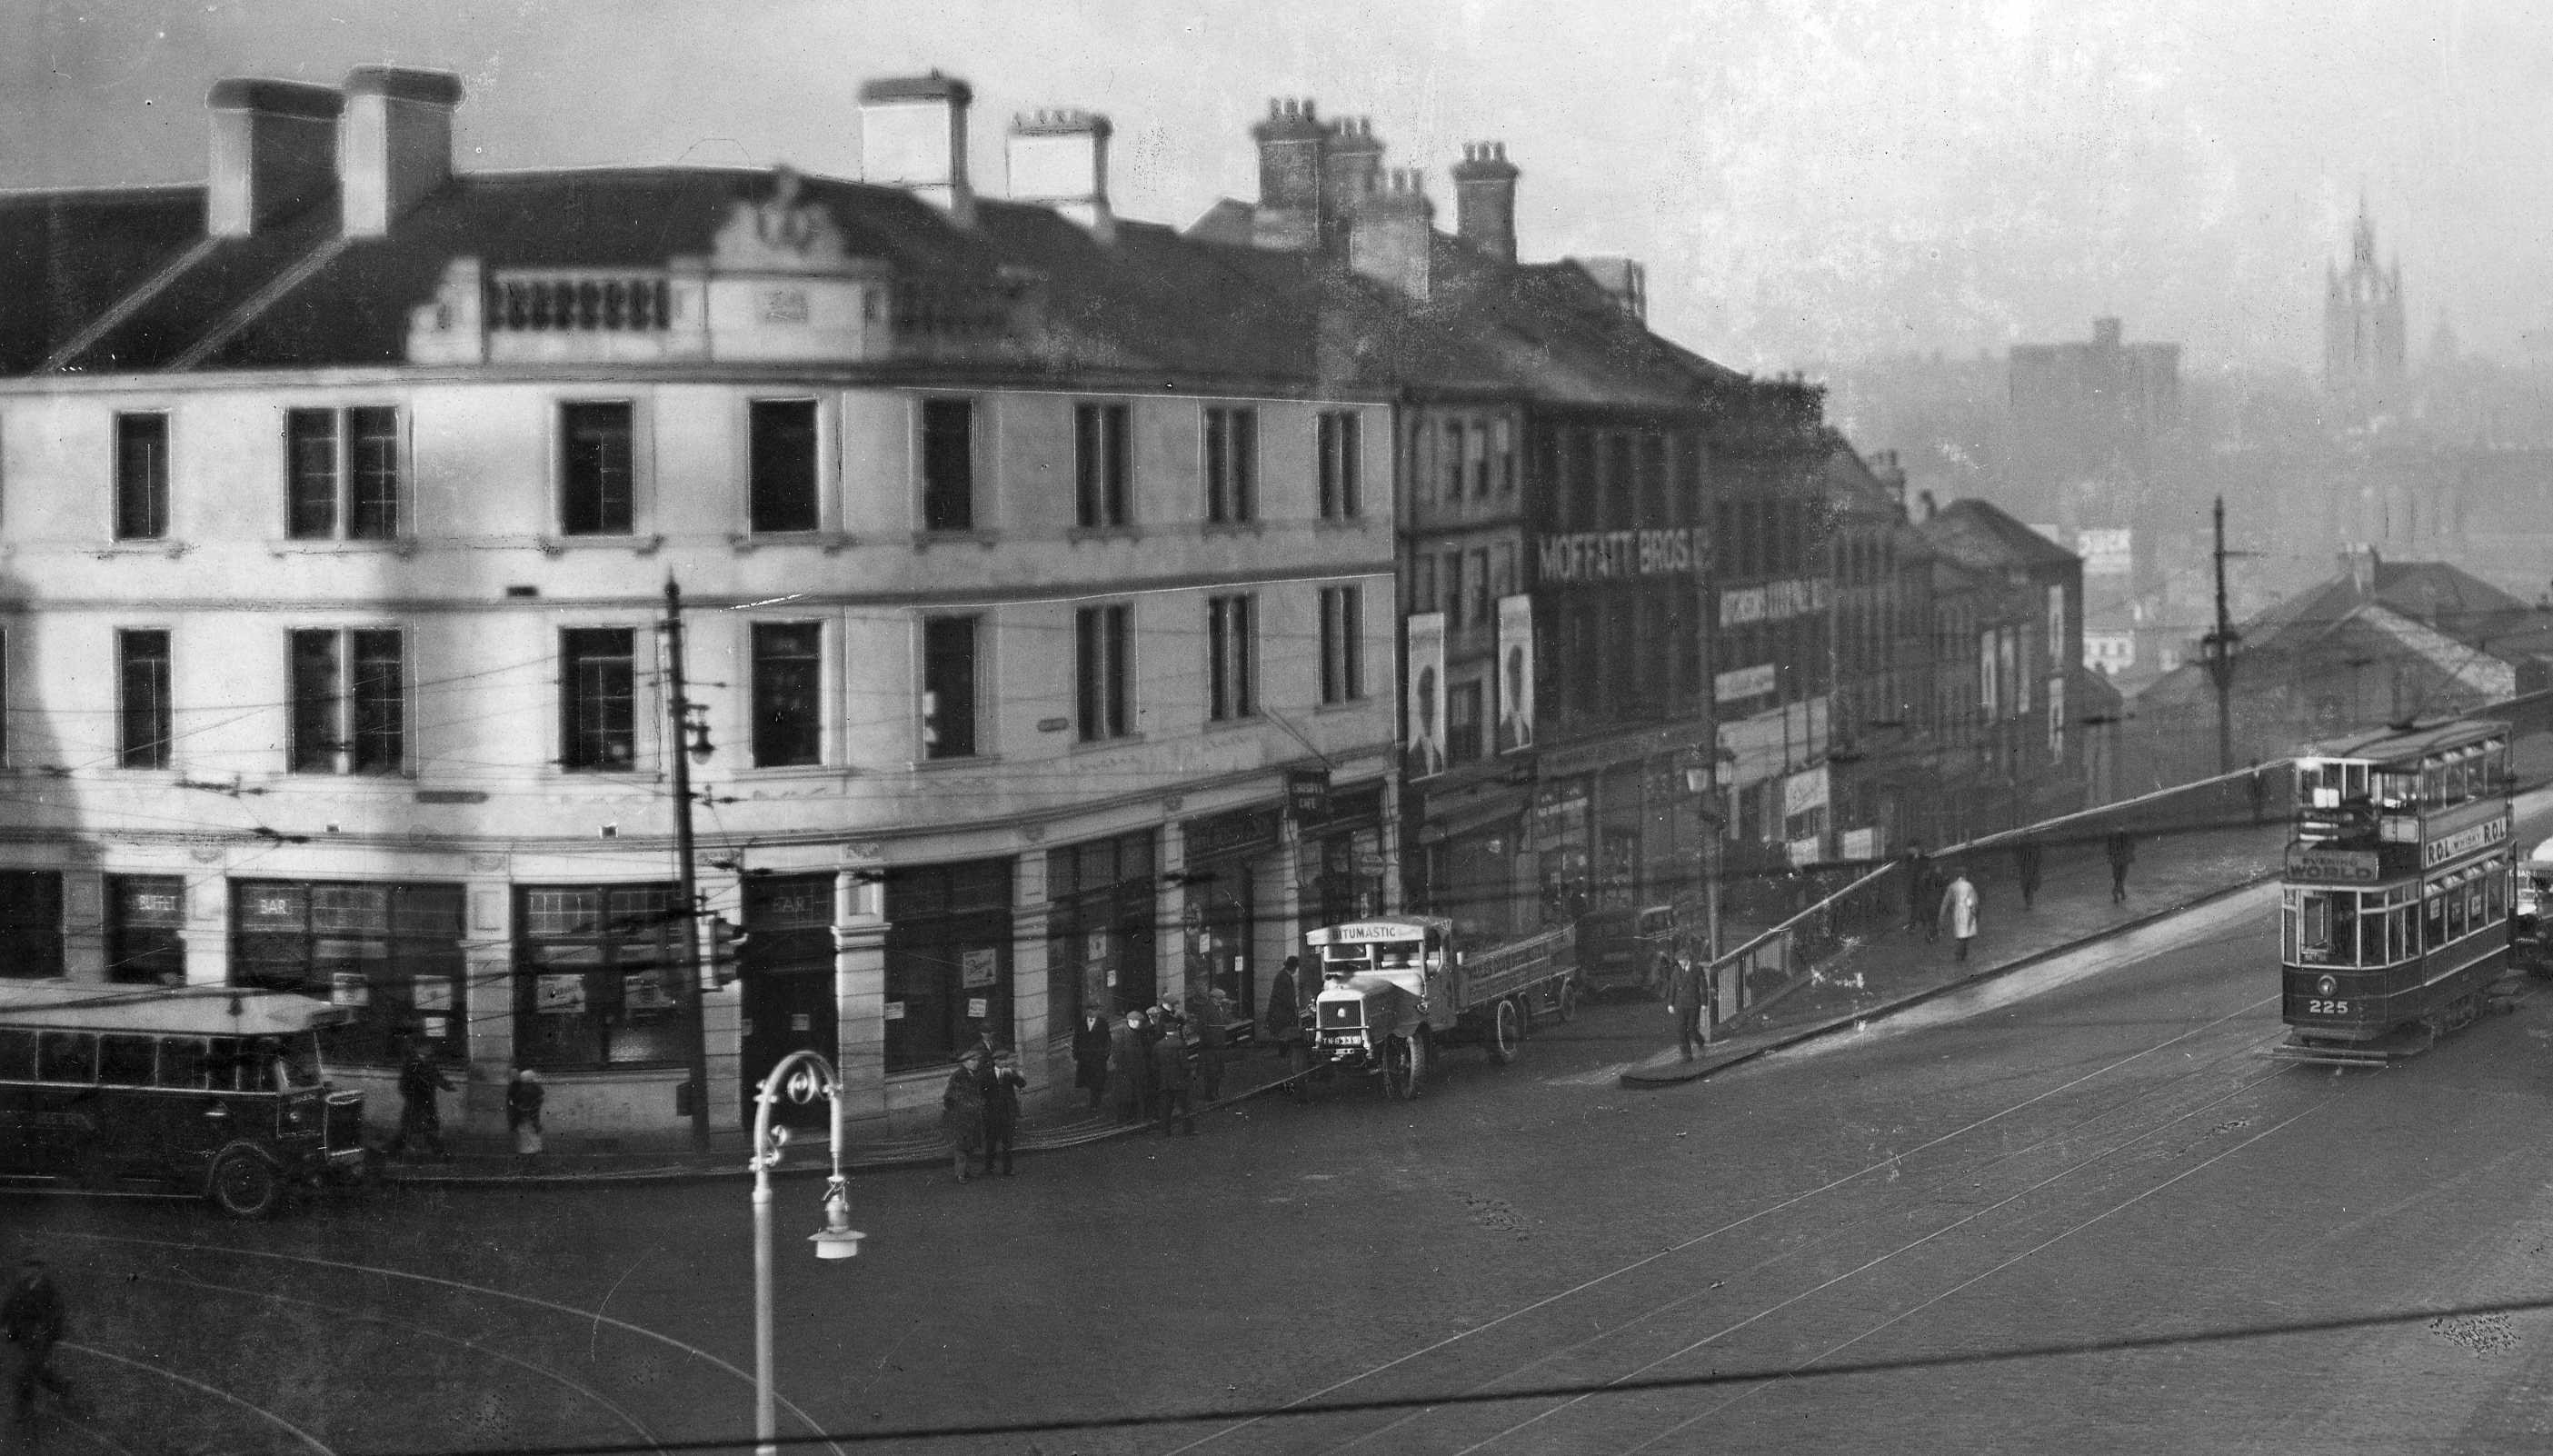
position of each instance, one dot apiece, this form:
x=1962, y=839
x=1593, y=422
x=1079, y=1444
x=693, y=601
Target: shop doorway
x=787, y=964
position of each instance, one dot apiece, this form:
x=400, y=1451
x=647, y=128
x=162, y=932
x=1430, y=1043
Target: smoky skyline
x=1808, y=181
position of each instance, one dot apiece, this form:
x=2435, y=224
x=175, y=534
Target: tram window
x=17, y=1056
x=126, y=1061
x=2370, y=934
x=2315, y=938
x=2393, y=790
x=181, y=1064
x=2496, y=895
x=2456, y=920
x=226, y=1064
x=67, y=1057
x=2433, y=781
x=2401, y=932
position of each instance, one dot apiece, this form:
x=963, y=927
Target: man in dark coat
x=1287, y=999
x=1919, y=880
x=2024, y=869
x=1688, y=999
x=31, y=1320
x=421, y=1120
x=1130, y=1069
x=2122, y=851
x=1002, y=1087
x=1090, y=1058
x=1205, y=1027
x=1172, y=1077
x=961, y=1113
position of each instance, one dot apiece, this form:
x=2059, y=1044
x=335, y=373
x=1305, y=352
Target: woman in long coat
x=1090, y=1058
x=1130, y=1069
x=961, y=1113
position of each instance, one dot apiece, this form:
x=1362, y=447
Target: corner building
x=1021, y=562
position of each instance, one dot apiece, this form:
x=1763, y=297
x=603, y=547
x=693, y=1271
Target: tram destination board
x=2309, y=864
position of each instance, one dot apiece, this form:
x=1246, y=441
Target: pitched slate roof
x=1981, y=536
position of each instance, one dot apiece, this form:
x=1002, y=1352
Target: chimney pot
x=913, y=134
x=1060, y=161
x=1485, y=200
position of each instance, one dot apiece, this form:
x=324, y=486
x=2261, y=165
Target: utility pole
x=1704, y=783
x=680, y=743
x=2219, y=647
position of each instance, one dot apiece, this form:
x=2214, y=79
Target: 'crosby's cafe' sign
x=1605, y=556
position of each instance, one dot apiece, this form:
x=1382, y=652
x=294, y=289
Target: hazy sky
x=1804, y=178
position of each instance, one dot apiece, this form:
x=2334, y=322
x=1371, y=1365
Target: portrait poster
x=1515, y=673
x=1425, y=755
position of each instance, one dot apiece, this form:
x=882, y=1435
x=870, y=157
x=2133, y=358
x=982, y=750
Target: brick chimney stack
x=913, y=134
x=273, y=151
x=1485, y=199
x=1391, y=232
x=395, y=145
x=1059, y=158
x=1351, y=168
x=1290, y=216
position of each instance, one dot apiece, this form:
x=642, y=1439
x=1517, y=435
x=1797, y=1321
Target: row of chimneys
x=383, y=141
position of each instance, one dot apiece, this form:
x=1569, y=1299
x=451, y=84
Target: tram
x=2394, y=913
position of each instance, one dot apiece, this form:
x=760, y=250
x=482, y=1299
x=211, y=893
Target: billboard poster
x=1425, y=753
x=1515, y=673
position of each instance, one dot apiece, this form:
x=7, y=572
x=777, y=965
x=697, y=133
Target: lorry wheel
x=1506, y=1032
x=1568, y=1001
x=1405, y=1065
x=245, y=1186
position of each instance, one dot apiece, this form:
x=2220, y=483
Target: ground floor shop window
x=31, y=924
x=145, y=921
x=1223, y=927
x=948, y=960
x=599, y=977
x=1100, y=943
x=390, y=953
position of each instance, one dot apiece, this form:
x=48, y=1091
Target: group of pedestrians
x=1155, y=1061
x=979, y=1109
x=422, y=1085
x=1955, y=905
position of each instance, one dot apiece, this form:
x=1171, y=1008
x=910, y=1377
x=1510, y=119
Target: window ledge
x=1236, y=723
x=745, y=543
x=635, y=545
x=952, y=765
x=172, y=549
x=925, y=540
x=760, y=773
x=341, y=546
x=1363, y=702
x=1102, y=745
x=1342, y=522
x=1104, y=533
x=1250, y=527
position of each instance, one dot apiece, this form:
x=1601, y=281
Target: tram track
x=2216, y=1047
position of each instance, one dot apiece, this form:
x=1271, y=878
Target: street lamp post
x=803, y=1076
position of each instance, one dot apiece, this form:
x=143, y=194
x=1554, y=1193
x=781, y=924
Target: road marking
x=307, y=1439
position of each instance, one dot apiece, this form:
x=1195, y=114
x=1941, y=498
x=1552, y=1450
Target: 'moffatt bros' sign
x=1610, y=556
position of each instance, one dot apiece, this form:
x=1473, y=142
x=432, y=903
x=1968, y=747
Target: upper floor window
x=1102, y=464
x=947, y=464
x=342, y=474
x=1342, y=644
x=1232, y=657
x=349, y=708
x=1454, y=596
x=1452, y=459
x=1339, y=448
x=788, y=694
x=145, y=719
x=1478, y=451
x=140, y=477
x=1102, y=643
x=1231, y=464
x=784, y=491
x=1463, y=721
x=1423, y=584
x=598, y=698
x=597, y=490
x=949, y=674
x=1503, y=451
x=1480, y=585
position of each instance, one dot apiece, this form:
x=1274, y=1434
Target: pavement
x=1887, y=970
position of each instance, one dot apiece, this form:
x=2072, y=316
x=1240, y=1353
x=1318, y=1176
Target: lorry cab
x=1379, y=978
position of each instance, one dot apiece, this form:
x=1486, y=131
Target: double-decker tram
x=2395, y=918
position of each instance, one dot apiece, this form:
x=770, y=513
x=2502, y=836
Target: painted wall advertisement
x=1425, y=753
x=1515, y=673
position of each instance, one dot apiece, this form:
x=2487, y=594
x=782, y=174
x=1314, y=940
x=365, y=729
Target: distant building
x=2362, y=331
x=2379, y=642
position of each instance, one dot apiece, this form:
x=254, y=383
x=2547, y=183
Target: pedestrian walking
x=961, y=1112
x=1688, y=997
x=1172, y=1077
x=1205, y=1025
x=2258, y=786
x=420, y=1082
x=2024, y=869
x=1287, y=1001
x=1130, y=1070
x=1002, y=1088
x=2122, y=851
x=524, y=1098
x=1959, y=911
x=32, y=1323
x=1090, y=1058
x=1919, y=879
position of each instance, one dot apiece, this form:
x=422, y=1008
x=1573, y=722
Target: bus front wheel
x=245, y=1186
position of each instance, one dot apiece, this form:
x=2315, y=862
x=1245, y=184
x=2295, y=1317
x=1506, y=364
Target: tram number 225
x=2326, y=1008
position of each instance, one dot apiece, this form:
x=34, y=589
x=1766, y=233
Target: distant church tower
x=2362, y=321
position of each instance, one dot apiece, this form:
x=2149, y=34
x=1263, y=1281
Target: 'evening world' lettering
x=1595, y=556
